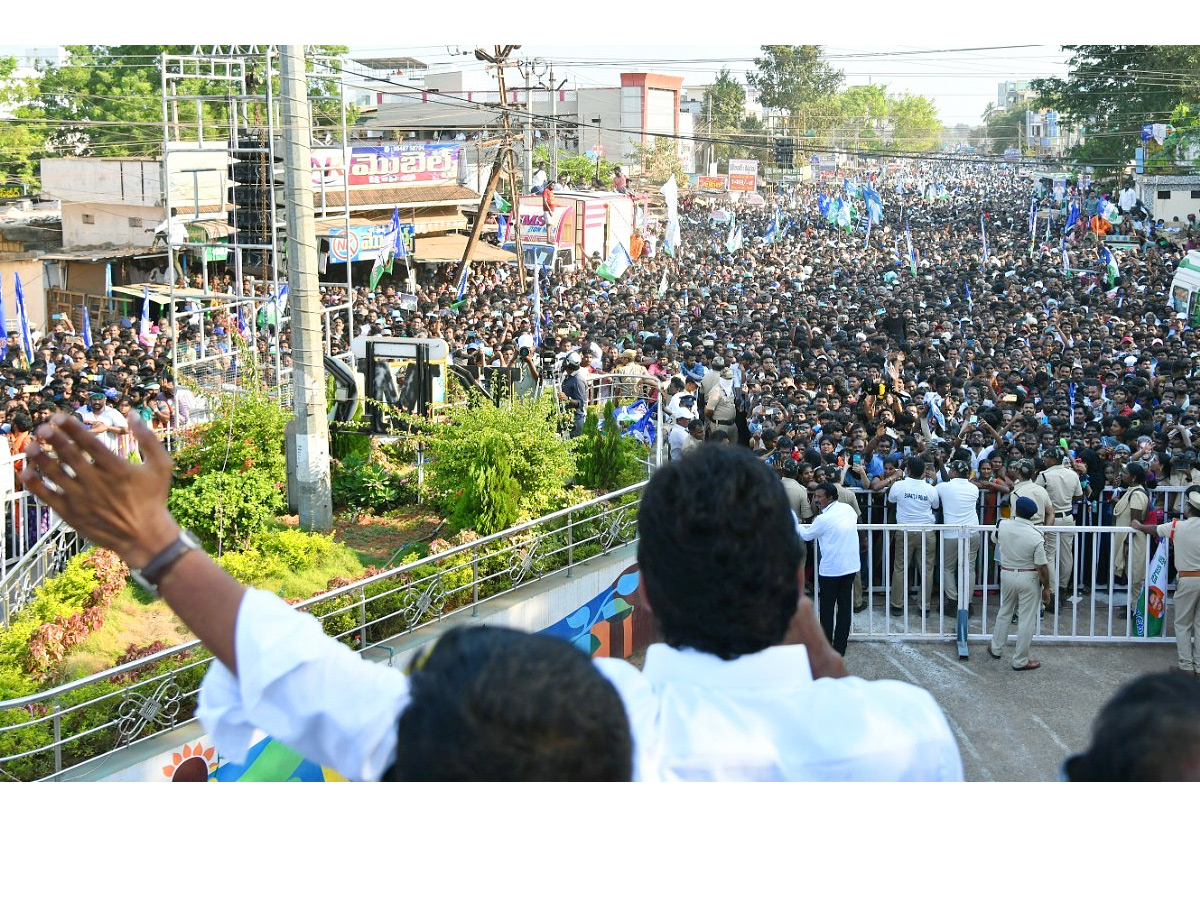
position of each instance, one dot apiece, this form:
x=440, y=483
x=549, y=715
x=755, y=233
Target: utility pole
x=308, y=432
x=499, y=59
x=528, y=130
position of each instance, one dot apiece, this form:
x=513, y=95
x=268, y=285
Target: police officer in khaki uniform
x=1185, y=535
x=1061, y=482
x=1024, y=565
x=1023, y=486
x=720, y=409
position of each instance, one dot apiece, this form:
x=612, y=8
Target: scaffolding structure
x=233, y=153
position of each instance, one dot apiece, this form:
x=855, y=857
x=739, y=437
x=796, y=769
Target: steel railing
x=73, y=728
x=919, y=570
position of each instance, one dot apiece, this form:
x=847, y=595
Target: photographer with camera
x=529, y=384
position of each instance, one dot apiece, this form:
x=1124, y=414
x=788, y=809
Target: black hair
x=720, y=565
x=1149, y=731
x=494, y=704
x=916, y=467
x=828, y=488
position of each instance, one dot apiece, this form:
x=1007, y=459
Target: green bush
x=524, y=432
x=607, y=460
x=359, y=482
x=225, y=509
x=489, y=500
x=244, y=434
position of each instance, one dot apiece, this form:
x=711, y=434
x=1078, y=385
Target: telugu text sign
x=743, y=174
x=395, y=164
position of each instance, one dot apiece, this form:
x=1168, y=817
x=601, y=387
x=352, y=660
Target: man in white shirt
x=104, y=421
x=736, y=691
x=835, y=530
x=915, y=502
x=959, y=498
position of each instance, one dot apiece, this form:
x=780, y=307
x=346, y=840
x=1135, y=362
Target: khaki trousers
x=913, y=550
x=952, y=541
x=1061, y=549
x=1131, y=562
x=1187, y=623
x=1019, y=591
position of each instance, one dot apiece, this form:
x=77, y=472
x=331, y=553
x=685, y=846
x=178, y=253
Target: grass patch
x=129, y=620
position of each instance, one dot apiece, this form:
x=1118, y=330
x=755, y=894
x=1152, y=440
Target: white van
x=1185, y=288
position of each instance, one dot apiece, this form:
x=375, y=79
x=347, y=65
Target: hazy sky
x=960, y=81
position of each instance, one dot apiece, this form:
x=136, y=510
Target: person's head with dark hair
x=719, y=566
x=21, y=422
x=494, y=704
x=1149, y=731
x=824, y=494
x=915, y=467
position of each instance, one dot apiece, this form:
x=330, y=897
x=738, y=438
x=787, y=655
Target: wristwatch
x=152, y=573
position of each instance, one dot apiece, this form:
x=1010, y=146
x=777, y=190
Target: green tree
x=1005, y=128
x=107, y=100
x=22, y=142
x=657, y=160
x=1112, y=90
x=861, y=110
x=915, y=124
x=794, y=79
x=577, y=166
x=721, y=117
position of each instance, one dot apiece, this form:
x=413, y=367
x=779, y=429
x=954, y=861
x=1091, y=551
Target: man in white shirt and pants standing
x=915, y=502
x=960, y=507
x=835, y=530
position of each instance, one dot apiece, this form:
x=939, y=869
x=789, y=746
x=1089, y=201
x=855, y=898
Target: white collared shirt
x=693, y=715
x=836, y=533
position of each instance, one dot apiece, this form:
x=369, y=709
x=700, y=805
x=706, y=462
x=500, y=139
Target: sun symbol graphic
x=194, y=763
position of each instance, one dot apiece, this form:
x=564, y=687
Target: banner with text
x=395, y=164
x=743, y=174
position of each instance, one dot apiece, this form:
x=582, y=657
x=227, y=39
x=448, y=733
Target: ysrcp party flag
x=1149, y=608
x=616, y=264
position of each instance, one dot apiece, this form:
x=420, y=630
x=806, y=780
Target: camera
x=523, y=353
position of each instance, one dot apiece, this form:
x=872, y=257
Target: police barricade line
x=1087, y=604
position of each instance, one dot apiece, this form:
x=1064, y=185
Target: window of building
x=1196, y=195
x=89, y=219
x=1164, y=195
x=135, y=222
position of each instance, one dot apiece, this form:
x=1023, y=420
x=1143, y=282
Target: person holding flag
x=388, y=250
x=23, y=321
x=1111, y=273
x=145, y=338
x=87, y=327
x=912, y=256
x=1185, y=535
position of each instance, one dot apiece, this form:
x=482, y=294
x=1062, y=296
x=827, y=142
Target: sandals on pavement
x=1032, y=664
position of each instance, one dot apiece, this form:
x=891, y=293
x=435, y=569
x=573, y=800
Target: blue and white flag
x=934, y=401
x=662, y=286
x=537, y=309
x=144, y=337
x=867, y=241
x=87, y=328
x=1072, y=214
x=3, y=324
x=281, y=304
x=823, y=204
x=671, y=237
x=983, y=234
x=108, y=279
x=1110, y=267
x=1071, y=398
x=616, y=264
x=874, y=205
x=501, y=227
x=1066, y=258
x=243, y=325
x=970, y=299
x=734, y=242
x=912, y=257
x=1032, y=215
x=845, y=215
x=1047, y=226
x=769, y=234
x=23, y=321
x=462, y=284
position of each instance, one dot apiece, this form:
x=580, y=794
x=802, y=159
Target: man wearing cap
x=1062, y=484
x=573, y=392
x=104, y=421
x=1185, y=535
x=677, y=438
x=1024, y=565
x=719, y=408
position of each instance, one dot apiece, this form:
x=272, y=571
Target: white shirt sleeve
x=813, y=530
x=306, y=690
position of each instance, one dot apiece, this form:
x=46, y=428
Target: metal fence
x=69, y=730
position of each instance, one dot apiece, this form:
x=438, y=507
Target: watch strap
x=154, y=570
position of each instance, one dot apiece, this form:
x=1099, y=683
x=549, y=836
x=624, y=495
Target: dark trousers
x=836, y=594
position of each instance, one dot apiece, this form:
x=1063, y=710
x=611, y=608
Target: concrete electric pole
x=308, y=432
